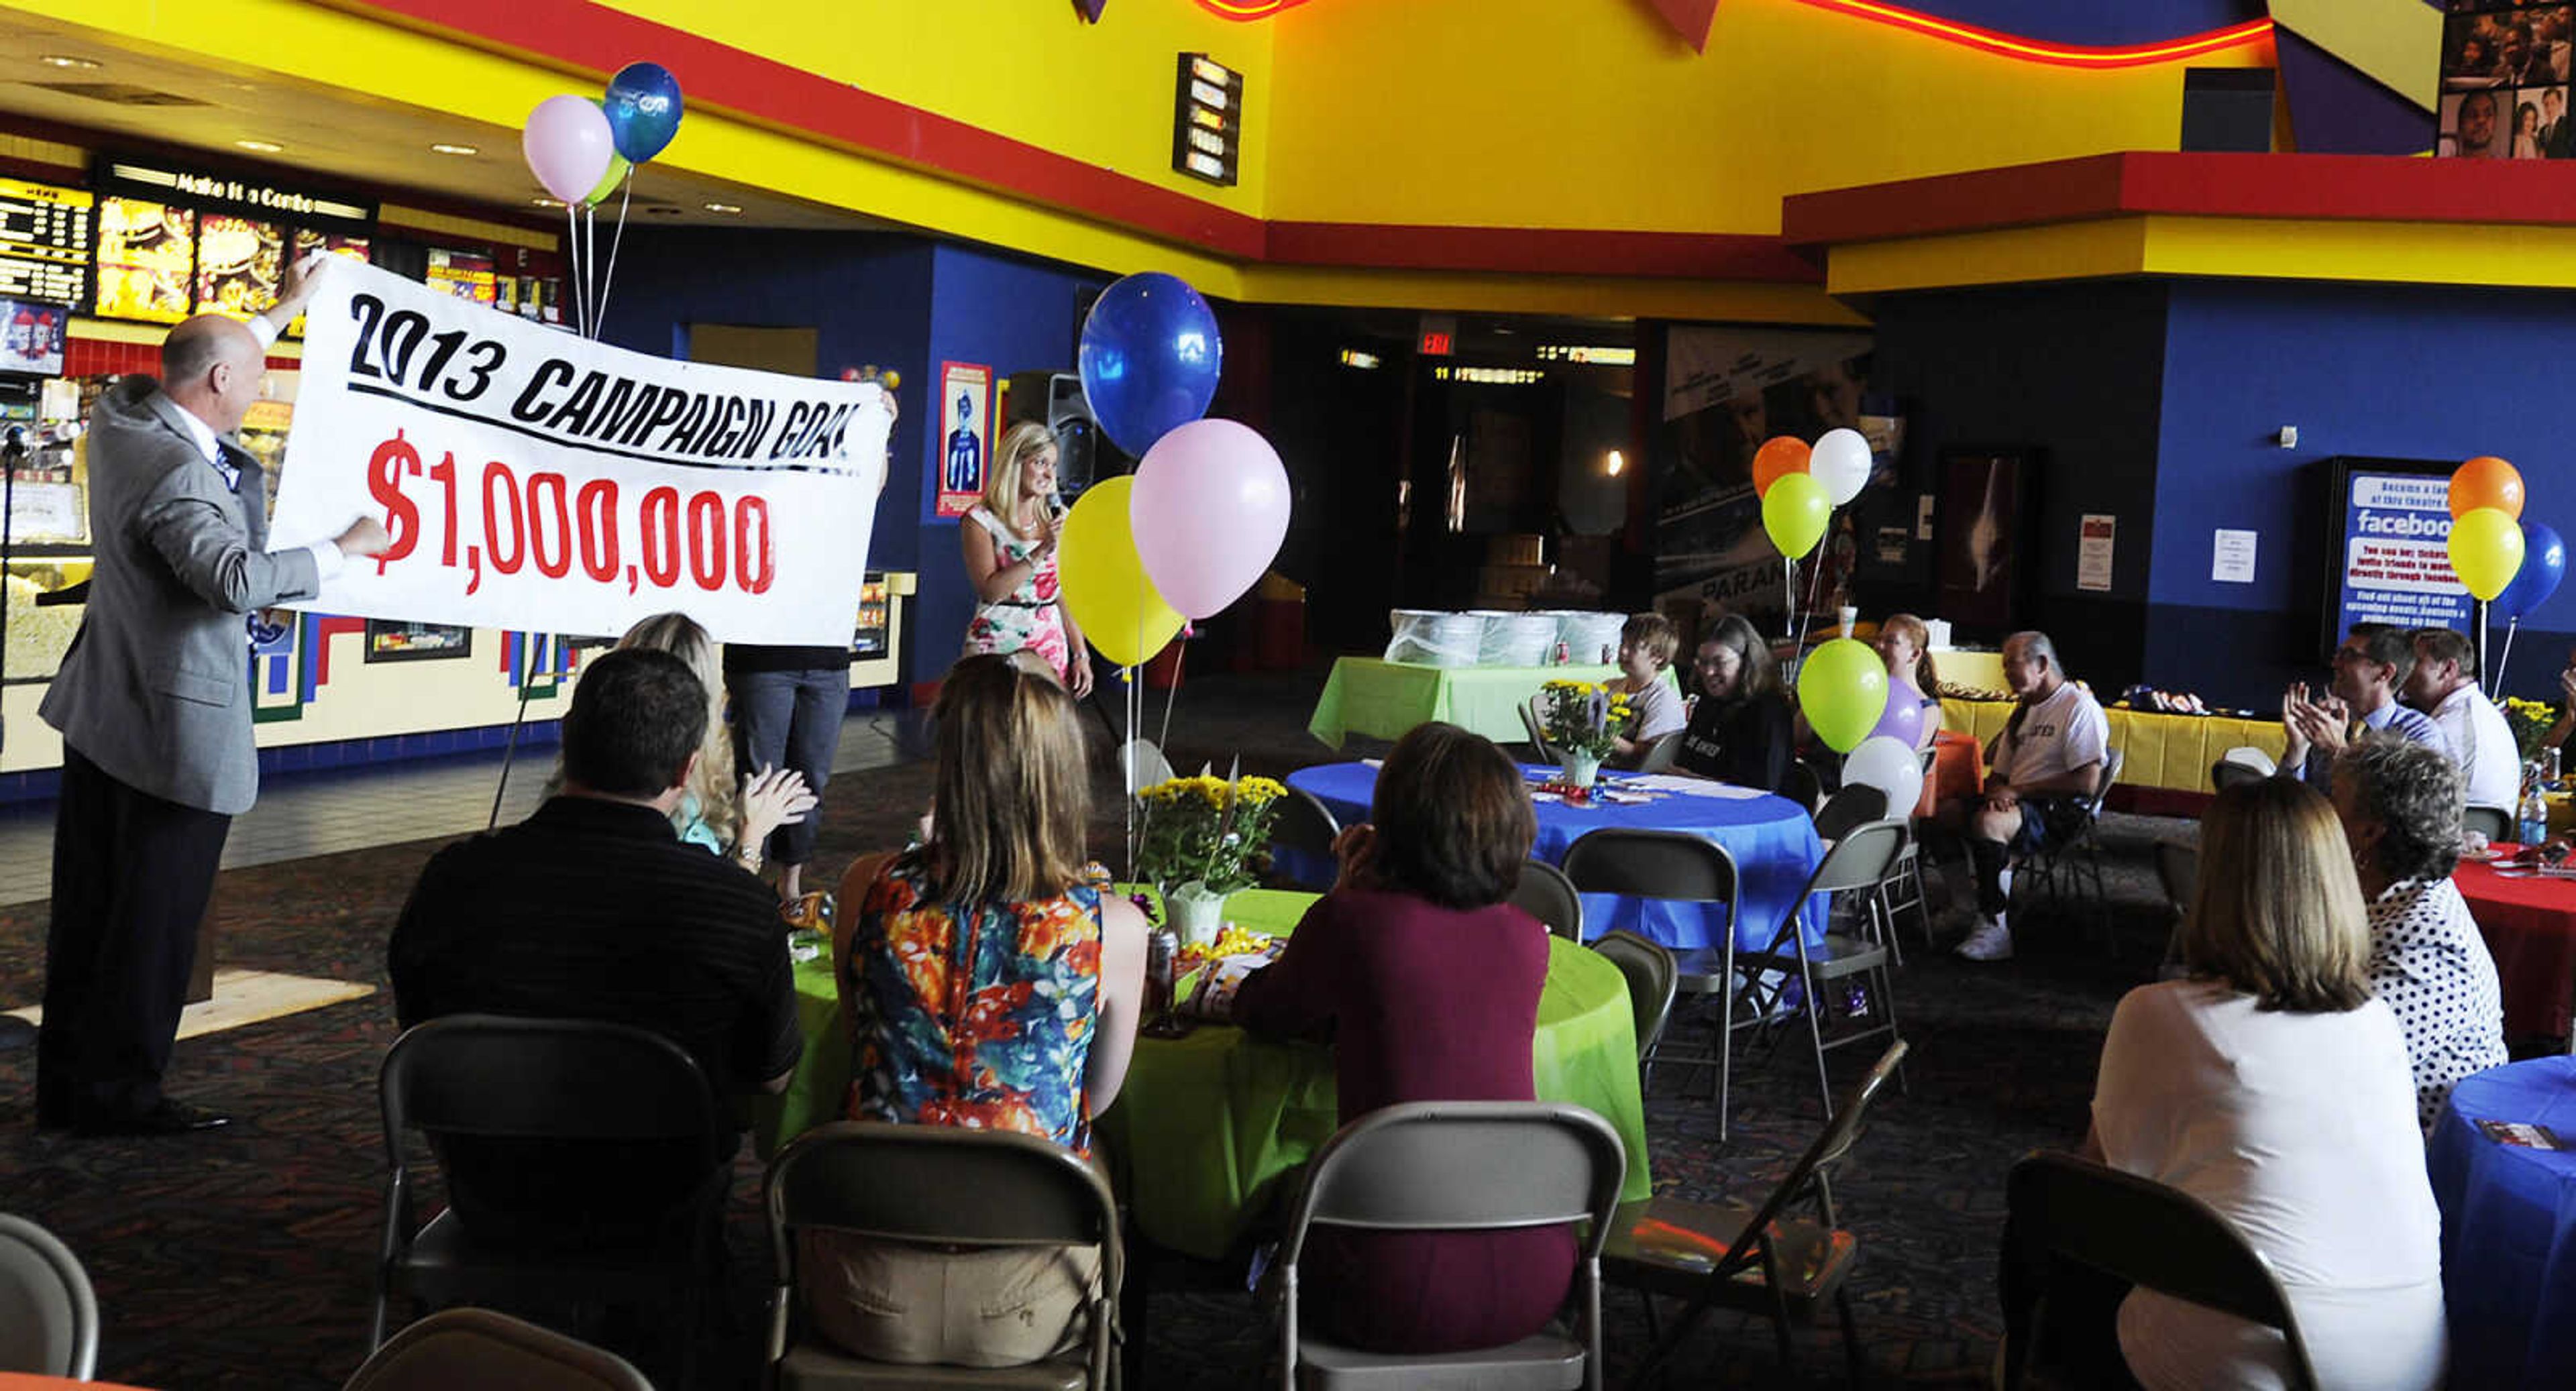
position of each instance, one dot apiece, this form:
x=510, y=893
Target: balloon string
x=2510, y=626
x=572, y=260
x=608, y=281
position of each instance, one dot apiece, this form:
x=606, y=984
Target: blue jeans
x=790, y=719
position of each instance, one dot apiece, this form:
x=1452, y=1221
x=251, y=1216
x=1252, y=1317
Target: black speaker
x=2227, y=110
x=1084, y=454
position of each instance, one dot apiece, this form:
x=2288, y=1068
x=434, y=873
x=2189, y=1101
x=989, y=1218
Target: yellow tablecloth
x=2171, y=752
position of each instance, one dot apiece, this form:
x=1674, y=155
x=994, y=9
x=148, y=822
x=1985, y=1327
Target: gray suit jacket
x=155, y=689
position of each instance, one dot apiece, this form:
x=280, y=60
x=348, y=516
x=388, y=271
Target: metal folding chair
x=1547, y=895
x=48, y=1314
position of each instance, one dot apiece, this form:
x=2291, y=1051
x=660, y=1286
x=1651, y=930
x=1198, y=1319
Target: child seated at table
x=1647, y=642
x=1427, y=980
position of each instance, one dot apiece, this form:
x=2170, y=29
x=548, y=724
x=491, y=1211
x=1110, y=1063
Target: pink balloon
x=1209, y=511
x=568, y=144
x=1903, y=719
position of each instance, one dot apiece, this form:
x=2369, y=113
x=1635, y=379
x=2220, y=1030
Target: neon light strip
x=2063, y=55
x=1970, y=35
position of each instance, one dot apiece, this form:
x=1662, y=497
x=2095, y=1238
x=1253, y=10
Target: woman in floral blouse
x=2400, y=806
x=1010, y=542
x=993, y=984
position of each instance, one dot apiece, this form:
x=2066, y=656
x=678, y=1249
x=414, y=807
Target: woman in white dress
x=2274, y=1086
x=1010, y=543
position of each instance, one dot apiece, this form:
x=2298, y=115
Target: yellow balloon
x=2486, y=550
x=618, y=168
x=1105, y=586
x=1795, y=512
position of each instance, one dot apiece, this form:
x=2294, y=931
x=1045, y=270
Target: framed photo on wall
x=965, y=435
x=1981, y=512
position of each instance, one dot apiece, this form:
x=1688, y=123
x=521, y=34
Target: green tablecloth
x=1384, y=699
x=1206, y=1126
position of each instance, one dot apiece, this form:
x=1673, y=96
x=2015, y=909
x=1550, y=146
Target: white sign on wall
x=537, y=481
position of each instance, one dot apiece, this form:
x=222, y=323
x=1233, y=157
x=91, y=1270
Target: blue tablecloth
x=2509, y=1228
x=1773, y=842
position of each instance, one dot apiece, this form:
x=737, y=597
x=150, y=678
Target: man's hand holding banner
x=536, y=481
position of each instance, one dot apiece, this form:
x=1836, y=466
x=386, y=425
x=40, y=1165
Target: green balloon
x=618, y=168
x=1795, y=511
x=1842, y=687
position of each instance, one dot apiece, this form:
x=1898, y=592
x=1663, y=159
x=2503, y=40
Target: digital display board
x=44, y=242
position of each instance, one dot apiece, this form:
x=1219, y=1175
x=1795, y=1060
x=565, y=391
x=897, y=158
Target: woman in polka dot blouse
x=2400, y=805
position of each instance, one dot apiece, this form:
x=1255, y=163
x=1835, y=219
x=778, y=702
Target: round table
x=1207, y=1125
x=1772, y=840
x=2530, y=929
x=2509, y=1227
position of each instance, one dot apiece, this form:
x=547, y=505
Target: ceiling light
x=547, y=202
x=725, y=208
x=266, y=147
x=1615, y=463
x=446, y=149
x=65, y=60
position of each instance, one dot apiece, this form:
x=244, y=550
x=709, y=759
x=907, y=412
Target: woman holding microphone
x=1010, y=543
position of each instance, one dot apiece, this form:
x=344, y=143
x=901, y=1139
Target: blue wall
x=2072, y=372
x=2397, y=372
x=1008, y=315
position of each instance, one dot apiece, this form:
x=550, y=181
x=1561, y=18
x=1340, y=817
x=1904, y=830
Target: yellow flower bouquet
x=1585, y=717
x=1208, y=830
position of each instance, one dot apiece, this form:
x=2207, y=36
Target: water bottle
x=2533, y=820
x=1563, y=656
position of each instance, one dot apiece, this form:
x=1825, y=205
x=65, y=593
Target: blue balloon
x=1150, y=359
x=643, y=109
x=2544, y=564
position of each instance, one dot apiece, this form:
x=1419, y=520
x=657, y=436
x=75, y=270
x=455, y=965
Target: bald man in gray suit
x=153, y=702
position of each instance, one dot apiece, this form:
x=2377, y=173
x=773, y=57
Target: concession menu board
x=44, y=242
x=146, y=257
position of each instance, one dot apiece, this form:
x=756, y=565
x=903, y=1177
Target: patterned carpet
x=244, y=1258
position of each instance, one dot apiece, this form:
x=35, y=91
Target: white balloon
x=1841, y=462
x=1888, y=765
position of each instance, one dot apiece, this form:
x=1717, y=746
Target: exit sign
x=1437, y=342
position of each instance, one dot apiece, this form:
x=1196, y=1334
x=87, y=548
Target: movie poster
x=1726, y=391
x=965, y=435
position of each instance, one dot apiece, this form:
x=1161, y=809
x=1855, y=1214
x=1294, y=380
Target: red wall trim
x=1538, y=251
x=2382, y=188
x=592, y=40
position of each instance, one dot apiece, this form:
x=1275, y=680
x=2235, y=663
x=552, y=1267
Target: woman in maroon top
x=1427, y=980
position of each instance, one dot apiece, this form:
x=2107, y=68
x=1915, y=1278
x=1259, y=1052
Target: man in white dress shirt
x=2444, y=685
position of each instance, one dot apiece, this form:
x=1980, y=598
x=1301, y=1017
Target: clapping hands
x=2314, y=721
x=772, y=798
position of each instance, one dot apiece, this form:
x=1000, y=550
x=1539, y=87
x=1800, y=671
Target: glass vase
x=1581, y=768
x=1197, y=915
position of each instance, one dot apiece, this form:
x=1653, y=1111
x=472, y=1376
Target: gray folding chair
x=1857, y=804
x=1547, y=895
x=1759, y=1261
x=478, y=1347
x=1534, y=725
x=610, y=1089
x=2178, y=873
x=1305, y=825
x=1459, y=1166
x=2138, y=1230
x=1903, y=887
x=2487, y=821
x=2073, y=868
x=946, y=1186
x=1680, y=867
x=1648, y=968
x=1659, y=755
x=48, y=1316
x=1857, y=861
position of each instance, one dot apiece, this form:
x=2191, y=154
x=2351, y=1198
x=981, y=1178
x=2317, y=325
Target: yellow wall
x=1548, y=113
x=1028, y=69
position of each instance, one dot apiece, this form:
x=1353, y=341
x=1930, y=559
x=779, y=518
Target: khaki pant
x=891, y=1302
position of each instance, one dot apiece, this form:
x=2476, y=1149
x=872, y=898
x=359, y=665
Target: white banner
x=536, y=481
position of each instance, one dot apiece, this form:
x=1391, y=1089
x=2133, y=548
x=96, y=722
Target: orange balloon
x=1778, y=457
x=2485, y=481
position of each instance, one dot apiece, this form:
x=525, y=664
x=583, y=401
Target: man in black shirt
x=593, y=908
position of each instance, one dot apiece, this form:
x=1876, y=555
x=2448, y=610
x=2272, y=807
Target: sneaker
x=1992, y=941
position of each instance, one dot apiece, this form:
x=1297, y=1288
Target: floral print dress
x=1026, y=619
x=977, y=1015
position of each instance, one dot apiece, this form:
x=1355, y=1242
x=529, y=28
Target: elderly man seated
x=2444, y=685
x=2370, y=666
x=2045, y=763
